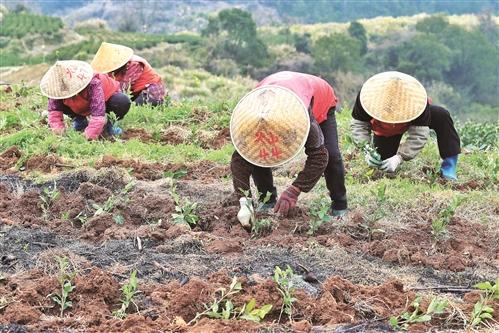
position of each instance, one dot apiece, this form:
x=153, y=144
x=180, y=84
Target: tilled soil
x=347, y=280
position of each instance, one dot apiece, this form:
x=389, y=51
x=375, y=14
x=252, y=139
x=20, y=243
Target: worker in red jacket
x=133, y=72
x=393, y=103
x=75, y=90
x=284, y=113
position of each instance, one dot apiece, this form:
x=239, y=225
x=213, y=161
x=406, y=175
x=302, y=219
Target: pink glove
x=56, y=122
x=94, y=128
x=287, y=200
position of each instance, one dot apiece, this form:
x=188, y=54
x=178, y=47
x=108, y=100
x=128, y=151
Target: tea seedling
x=319, y=214
x=260, y=226
x=65, y=279
x=439, y=225
x=106, y=207
x=437, y=306
x=482, y=310
x=286, y=289
x=185, y=211
x=48, y=197
x=222, y=307
x=128, y=290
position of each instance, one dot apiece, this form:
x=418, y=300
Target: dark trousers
x=118, y=103
x=441, y=122
x=334, y=173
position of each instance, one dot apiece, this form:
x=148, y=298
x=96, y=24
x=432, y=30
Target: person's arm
x=134, y=70
x=317, y=159
x=56, y=116
x=361, y=124
x=416, y=140
x=97, y=105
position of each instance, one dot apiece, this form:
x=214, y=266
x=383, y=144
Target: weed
x=283, y=279
x=222, y=306
x=48, y=197
x=119, y=219
x=319, y=214
x=437, y=306
x=439, y=225
x=185, y=210
x=65, y=279
x=65, y=216
x=482, y=310
x=128, y=290
x=177, y=174
x=106, y=207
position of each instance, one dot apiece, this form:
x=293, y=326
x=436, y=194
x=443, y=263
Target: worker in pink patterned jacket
x=87, y=98
x=133, y=72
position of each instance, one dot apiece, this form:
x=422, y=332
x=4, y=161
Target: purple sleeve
x=56, y=105
x=96, y=98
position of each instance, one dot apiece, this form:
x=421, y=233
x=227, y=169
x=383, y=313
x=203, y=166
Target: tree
x=234, y=36
x=425, y=57
x=336, y=52
x=433, y=24
x=357, y=31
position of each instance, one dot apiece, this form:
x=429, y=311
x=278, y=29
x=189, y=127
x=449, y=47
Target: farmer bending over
x=393, y=103
x=74, y=90
x=132, y=71
x=286, y=112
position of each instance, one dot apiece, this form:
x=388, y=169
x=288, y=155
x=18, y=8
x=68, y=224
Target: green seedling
x=185, y=211
x=223, y=307
x=372, y=152
x=82, y=217
x=48, y=197
x=106, y=207
x=319, y=214
x=437, y=306
x=260, y=226
x=283, y=280
x=65, y=279
x=482, y=310
x=177, y=174
x=119, y=219
x=439, y=225
x=128, y=291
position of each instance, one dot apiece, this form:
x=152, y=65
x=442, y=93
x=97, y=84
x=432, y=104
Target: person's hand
x=371, y=160
x=391, y=164
x=94, y=128
x=59, y=130
x=287, y=200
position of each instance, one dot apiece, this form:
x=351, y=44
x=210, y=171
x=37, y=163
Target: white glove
x=391, y=164
x=371, y=161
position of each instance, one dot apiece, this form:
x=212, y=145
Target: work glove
x=391, y=164
x=95, y=126
x=56, y=122
x=287, y=200
x=372, y=161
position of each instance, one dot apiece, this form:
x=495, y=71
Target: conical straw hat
x=110, y=57
x=269, y=126
x=66, y=78
x=393, y=97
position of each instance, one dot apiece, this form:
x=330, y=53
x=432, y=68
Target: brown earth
x=9, y=158
x=136, y=133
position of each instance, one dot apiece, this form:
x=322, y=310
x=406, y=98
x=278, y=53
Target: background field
x=108, y=206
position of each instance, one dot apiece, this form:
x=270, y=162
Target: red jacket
x=148, y=75
x=80, y=103
x=306, y=87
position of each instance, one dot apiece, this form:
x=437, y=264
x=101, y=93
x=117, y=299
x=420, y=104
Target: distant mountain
x=179, y=15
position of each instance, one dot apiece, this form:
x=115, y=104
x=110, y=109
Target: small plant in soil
x=82, y=217
x=439, y=225
x=260, y=227
x=437, y=306
x=283, y=280
x=128, y=290
x=3, y=302
x=48, y=197
x=185, y=211
x=65, y=279
x=319, y=214
x=377, y=213
x=482, y=310
x=222, y=306
x=106, y=207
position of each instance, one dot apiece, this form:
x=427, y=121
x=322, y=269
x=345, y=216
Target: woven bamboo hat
x=269, y=126
x=393, y=97
x=110, y=57
x=66, y=78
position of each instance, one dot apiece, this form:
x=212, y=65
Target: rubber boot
x=80, y=123
x=113, y=130
x=448, y=168
x=338, y=212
